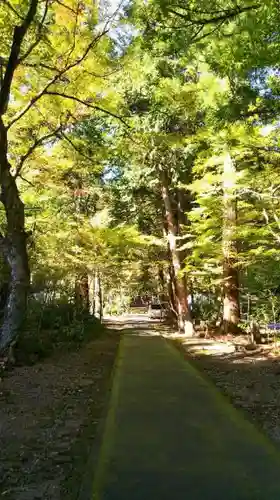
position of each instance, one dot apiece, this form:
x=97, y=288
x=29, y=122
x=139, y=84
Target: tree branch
x=229, y=14
x=39, y=34
x=88, y=105
x=13, y=10
x=196, y=38
x=26, y=180
x=78, y=150
x=195, y=35
x=41, y=65
x=277, y=220
x=104, y=75
x=266, y=218
x=13, y=61
x=74, y=36
x=38, y=142
x=56, y=78
x=65, y=6
x=199, y=11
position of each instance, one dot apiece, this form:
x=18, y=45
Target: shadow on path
x=169, y=434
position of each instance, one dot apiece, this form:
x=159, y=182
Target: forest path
x=170, y=434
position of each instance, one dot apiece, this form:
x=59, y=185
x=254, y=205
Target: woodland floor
x=49, y=415
x=251, y=380
x=49, y=412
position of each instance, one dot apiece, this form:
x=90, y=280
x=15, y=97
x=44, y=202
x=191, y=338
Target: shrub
x=49, y=327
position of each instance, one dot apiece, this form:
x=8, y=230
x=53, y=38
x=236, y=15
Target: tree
x=52, y=52
x=231, y=309
x=135, y=130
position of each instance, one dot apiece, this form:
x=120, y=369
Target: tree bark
x=161, y=283
x=82, y=293
x=98, y=298
x=231, y=307
x=91, y=294
x=184, y=317
x=13, y=243
x=13, y=246
x=170, y=280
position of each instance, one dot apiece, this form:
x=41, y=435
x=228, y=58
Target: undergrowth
x=52, y=327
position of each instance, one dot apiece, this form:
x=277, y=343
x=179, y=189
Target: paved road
x=170, y=435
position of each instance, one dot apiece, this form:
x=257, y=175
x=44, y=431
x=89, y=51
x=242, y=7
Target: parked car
x=157, y=311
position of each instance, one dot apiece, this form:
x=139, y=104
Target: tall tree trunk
x=13, y=243
x=98, y=298
x=231, y=308
x=183, y=206
x=14, y=248
x=82, y=292
x=184, y=318
x=91, y=294
x=170, y=280
x=161, y=283
x=169, y=272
